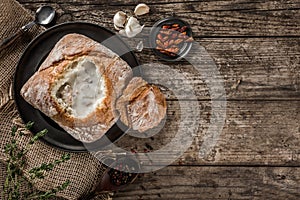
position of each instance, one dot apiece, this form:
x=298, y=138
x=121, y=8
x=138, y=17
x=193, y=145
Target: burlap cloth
x=83, y=169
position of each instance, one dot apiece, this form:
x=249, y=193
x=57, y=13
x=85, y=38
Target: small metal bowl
x=185, y=47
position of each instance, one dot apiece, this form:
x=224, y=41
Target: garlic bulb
x=133, y=27
x=119, y=20
x=141, y=9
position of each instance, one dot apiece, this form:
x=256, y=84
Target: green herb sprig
x=15, y=165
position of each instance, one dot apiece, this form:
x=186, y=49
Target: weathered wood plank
x=259, y=129
x=208, y=18
x=216, y=183
x=249, y=68
x=255, y=133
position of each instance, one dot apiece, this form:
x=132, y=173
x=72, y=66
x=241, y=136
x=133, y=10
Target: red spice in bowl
x=171, y=39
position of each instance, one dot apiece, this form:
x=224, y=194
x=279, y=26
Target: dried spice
x=122, y=173
x=170, y=39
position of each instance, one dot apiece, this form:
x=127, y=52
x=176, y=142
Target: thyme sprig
x=39, y=172
x=50, y=193
x=15, y=165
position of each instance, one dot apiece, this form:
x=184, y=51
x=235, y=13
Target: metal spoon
x=43, y=16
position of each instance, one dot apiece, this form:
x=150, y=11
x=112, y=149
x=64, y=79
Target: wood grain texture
x=208, y=18
x=249, y=69
x=222, y=183
x=255, y=46
x=255, y=133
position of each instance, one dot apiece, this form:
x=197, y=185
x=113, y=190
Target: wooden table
x=256, y=48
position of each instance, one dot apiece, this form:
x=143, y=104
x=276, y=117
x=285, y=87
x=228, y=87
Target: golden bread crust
x=72, y=48
x=142, y=106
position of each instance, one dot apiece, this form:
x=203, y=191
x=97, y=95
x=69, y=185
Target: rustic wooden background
x=256, y=47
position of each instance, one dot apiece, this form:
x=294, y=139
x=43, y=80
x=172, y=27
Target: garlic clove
x=133, y=27
x=122, y=32
x=120, y=19
x=117, y=28
x=140, y=46
x=141, y=9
